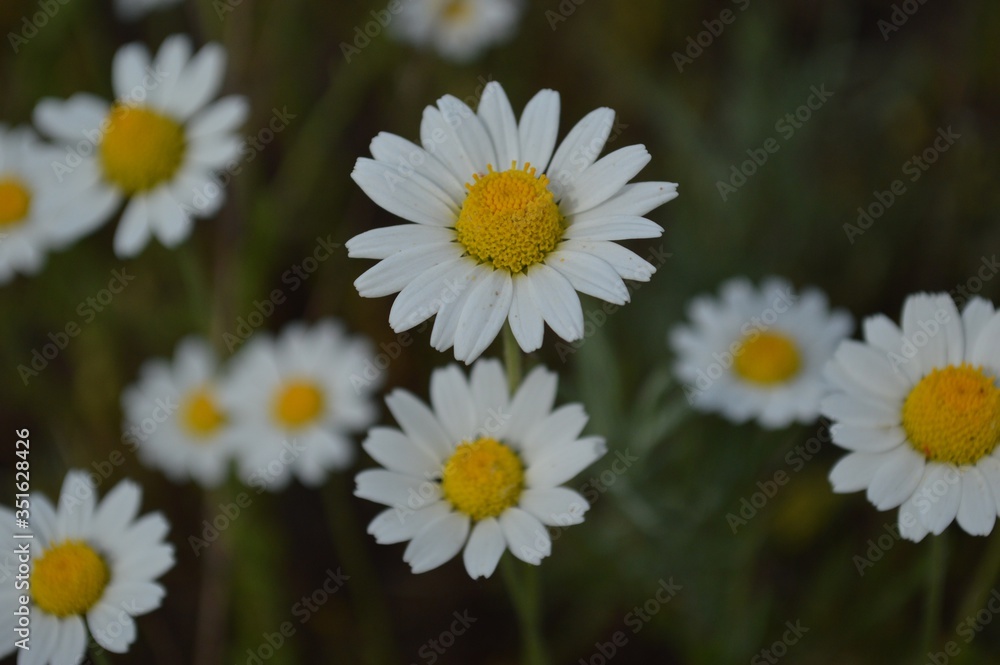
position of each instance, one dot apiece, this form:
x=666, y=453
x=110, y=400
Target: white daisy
x=89, y=561
x=174, y=417
x=296, y=400
x=919, y=409
x=514, y=244
x=132, y=10
x=38, y=212
x=158, y=145
x=481, y=470
x=457, y=29
x=758, y=353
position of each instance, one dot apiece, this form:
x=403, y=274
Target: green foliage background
x=665, y=517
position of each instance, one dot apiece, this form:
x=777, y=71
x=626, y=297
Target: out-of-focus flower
x=457, y=29
x=133, y=10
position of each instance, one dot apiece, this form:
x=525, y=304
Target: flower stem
x=936, y=568
x=523, y=590
x=373, y=616
x=983, y=581
x=512, y=358
x=98, y=656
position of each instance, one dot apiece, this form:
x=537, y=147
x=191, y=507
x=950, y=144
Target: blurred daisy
x=174, y=417
x=457, y=29
x=513, y=244
x=158, y=145
x=132, y=10
x=90, y=561
x=919, y=409
x=481, y=471
x=296, y=400
x=38, y=212
x=758, y=353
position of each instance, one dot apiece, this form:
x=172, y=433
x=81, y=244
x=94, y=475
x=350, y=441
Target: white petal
x=556, y=464
x=71, y=645
x=396, y=490
x=419, y=423
x=867, y=439
x=497, y=115
x=977, y=509
x=128, y=69
x=384, y=242
x=938, y=496
x=986, y=350
x=635, y=199
x=526, y=320
x=626, y=263
x=526, y=537
x=393, y=450
x=897, y=478
x=580, y=148
x=852, y=411
x=393, y=273
x=871, y=369
x=72, y=119
x=484, y=549
x=200, y=81
x=854, y=472
x=397, y=525
x=133, y=232
x=446, y=324
x=406, y=155
x=603, y=179
x=589, y=274
x=555, y=506
x=111, y=627
x=619, y=227
x=408, y=195
x=885, y=335
x=561, y=426
x=427, y=293
x=484, y=315
x=171, y=58
x=910, y=526
x=452, y=402
x=489, y=388
x=975, y=315
x=470, y=132
x=225, y=115
x=531, y=403
x=439, y=139
x=557, y=301
x=539, y=128
x=437, y=543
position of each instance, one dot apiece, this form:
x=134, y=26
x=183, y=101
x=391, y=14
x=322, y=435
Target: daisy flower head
x=38, y=212
x=458, y=30
x=174, y=417
x=133, y=10
x=296, y=400
x=758, y=352
x=94, y=567
x=479, y=470
x=504, y=226
x=918, y=407
x=157, y=146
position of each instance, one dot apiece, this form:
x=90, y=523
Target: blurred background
x=850, y=92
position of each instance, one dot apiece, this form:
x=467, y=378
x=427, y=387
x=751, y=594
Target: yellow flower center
x=483, y=478
x=15, y=201
x=201, y=414
x=69, y=579
x=953, y=415
x=509, y=219
x=455, y=10
x=141, y=148
x=767, y=358
x=298, y=403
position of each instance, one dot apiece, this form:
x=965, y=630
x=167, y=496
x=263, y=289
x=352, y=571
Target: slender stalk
x=936, y=568
x=213, y=596
x=512, y=358
x=373, y=616
x=523, y=590
x=983, y=581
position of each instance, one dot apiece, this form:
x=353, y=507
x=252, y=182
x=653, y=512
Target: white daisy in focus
x=174, y=416
x=758, y=353
x=503, y=229
x=38, y=211
x=296, y=400
x=158, y=145
x=481, y=471
x=919, y=409
x=133, y=10
x=94, y=566
x=457, y=29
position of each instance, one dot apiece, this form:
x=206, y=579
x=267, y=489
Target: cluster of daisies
x=917, y=405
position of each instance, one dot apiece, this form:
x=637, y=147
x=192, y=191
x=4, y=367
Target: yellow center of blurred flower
x=141, y=148
x=953, y=415
x=201, y=414
x=456, y=9
x=483, y=478
x=298, y=403
x=15, y=200
x=69, y=579
x=767, y=358
x=509, y=219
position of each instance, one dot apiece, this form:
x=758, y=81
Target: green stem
x=512, y=358
x=523, y=590
x=983, y=581
x=936, y=568
x=98, y=656
x=373, y=616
